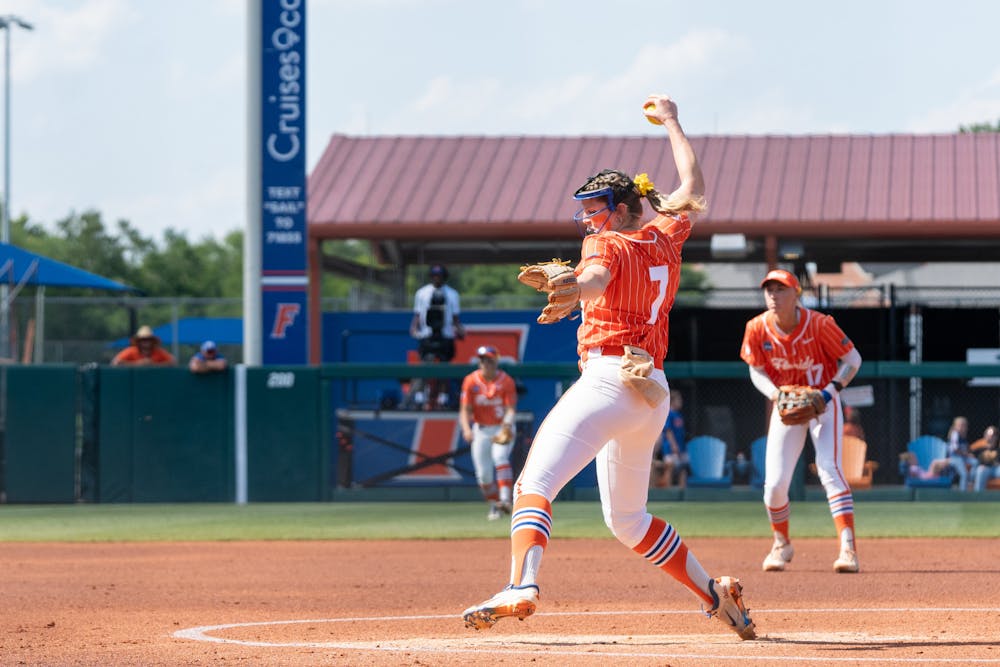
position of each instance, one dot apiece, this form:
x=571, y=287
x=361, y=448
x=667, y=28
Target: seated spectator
x=958, y=451
x=670, y=463
x=742, y=468
x=145, y=350
x=987, y=453
x=910, y=468
x=852, y=423
x=208, y=359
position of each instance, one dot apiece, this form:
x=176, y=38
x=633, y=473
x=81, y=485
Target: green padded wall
x=115, y=428
x=165, y=436
x=41, y=434
x=286, y=439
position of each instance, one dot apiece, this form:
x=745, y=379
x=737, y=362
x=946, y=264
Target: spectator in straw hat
x=145, y=350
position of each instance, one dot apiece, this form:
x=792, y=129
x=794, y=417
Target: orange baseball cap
x=786, y=278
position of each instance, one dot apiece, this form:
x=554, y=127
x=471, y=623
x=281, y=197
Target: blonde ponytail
x=664, y=204
x=667, y=206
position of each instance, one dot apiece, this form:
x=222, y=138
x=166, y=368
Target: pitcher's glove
x=504, y=435
x=559, y=281
x=798, y=404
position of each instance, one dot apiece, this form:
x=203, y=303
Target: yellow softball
x=647, y=107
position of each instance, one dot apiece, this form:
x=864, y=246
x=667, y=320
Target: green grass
x=459, y=520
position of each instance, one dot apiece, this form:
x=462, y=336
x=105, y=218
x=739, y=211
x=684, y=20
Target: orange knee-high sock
x=779, y=517
x=490, y=492
x=842, y=510
x=505, y=481
x=530, y=526
x=665, y=549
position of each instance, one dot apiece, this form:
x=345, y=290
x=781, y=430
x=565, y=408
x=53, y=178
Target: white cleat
x=780, y=556
x=494, y=513
x=730, y=609
x=847, y=561
x=516, y=601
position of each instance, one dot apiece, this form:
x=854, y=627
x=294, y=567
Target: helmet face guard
x=582, y=219
x=615, y=186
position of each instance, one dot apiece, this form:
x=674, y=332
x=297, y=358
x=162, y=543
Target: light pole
x=7, y=23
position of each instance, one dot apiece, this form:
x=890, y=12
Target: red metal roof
x=871, y=186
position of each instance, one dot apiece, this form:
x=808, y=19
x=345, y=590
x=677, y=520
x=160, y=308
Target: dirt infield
x=398, y=603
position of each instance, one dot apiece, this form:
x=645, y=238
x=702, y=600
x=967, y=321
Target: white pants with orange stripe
x=784, y=447
x=600, y=418
x=487, y=455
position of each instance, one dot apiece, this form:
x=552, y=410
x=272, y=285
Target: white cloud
x=960, y=112
x=696, y=55
x=66, y=40
x=562, y=100
x=769, y=119
x=580, y=102
x=445, y=103
x=209, y=203
x=980, y=103
x=993, y=82
x=443, y=94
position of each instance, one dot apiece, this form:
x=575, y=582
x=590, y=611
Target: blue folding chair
x=928, y=448
x=758, y=455
x=707, y=462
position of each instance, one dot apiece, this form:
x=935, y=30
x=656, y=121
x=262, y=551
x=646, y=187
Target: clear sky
x=136, y=108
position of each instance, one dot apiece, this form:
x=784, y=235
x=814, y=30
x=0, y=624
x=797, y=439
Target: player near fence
x=801, y=360
x=487, y=407
x=627, y=278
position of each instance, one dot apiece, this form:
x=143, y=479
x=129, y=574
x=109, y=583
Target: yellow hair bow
x=642, y=184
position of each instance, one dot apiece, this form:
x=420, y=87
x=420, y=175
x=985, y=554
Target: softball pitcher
x=792, y=345
x=626, y=280
x=487, y=407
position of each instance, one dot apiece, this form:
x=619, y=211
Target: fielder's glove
x=559, y=281
x=798, y=404
x=504, y=435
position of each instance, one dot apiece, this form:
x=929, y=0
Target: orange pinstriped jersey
x=645, y=268
x=808, y=355
x=488, y=398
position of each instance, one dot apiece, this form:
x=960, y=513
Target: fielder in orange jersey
x=792, y=345
x=486, y=413
x=627, y=277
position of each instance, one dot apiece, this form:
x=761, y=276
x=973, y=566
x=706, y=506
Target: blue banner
x=285, y=335
x=284, y=279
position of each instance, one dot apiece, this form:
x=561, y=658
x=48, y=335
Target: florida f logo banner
x=284, y=326
x=284, y=317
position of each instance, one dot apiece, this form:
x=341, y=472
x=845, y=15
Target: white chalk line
x=486, y=644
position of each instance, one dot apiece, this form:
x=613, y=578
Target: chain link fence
x=61, y=329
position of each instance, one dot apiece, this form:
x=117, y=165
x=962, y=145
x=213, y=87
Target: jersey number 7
x=661, y=276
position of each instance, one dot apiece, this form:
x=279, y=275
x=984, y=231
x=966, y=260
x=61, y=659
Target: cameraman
x=436, y=326
x=435, y=318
